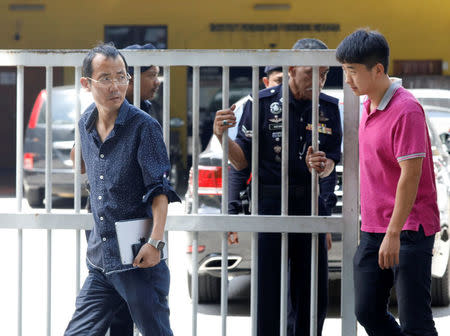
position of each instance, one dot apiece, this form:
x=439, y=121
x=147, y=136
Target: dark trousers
x=299, y=283
x=144, y=291
x=412, y=279
x=299, y=273
x=122, y=323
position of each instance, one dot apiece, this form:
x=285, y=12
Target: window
x=123, y=36
x=417, y=67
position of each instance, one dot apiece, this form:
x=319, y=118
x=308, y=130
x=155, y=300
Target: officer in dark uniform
x=149, y=83
x=302, y=160
x=238, y=179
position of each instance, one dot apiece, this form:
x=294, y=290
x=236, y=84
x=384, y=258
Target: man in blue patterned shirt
x=127, y=166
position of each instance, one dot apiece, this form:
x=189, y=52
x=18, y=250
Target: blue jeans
x=122, y=323
x=412, y=279
x=145, y=292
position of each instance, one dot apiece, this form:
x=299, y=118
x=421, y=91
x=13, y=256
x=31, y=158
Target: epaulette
x=328, y=98
x=269, y=92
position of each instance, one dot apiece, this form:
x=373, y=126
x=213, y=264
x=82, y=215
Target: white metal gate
x=347, y=224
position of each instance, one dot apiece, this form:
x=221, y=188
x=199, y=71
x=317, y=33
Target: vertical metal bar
x=77, y=177
x=254, y=200
x=350, y=209
x=19, y=194
x=195, y=153
x=285, y=145
x=166, y=108
x=224, y=271
x=166, y=131
x=137, y=86
x=314, y=204
x=225, y=104
x=284, y=203
x=77, y=170
x=20, y=282
x=19, y=136
x=49, y=282
x=48, y=187
x=48, y=140
x=255, y=139
x=254, y=284
x=195, y=134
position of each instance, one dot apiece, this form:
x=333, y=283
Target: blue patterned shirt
x=125, y=173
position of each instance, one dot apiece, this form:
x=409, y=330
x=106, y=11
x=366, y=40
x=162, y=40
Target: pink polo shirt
x=394, y=132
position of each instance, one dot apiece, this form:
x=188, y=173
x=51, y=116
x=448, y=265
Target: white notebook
x=130, y=232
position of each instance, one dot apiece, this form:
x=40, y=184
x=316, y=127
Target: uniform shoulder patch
x=269, y=92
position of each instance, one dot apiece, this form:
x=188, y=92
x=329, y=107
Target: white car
x=210, y=191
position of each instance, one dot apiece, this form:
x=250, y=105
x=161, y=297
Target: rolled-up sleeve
x=155, y=164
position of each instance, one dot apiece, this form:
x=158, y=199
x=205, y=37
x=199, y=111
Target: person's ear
x=291, y=71
x=379, y=69
x=266, y=81
x=85, y=83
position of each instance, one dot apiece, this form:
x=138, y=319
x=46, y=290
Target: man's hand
x=148, y=256
x=388, y=255
x=224, y=119
x=233, y=238
x=329, y=241
x=72, y=157
x=316, y=160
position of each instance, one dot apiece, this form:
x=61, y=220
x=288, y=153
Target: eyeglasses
x=108, y=81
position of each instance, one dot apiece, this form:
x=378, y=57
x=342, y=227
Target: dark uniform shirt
x=125, y=173
x=270, y=123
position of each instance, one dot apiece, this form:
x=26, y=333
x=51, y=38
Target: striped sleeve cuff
x=411, y=156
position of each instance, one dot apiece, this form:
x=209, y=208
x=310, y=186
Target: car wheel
x=440, y=289
x=208, y=288
x=35, y=197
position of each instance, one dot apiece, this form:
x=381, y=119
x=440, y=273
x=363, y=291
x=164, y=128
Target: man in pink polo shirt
x=399, y=212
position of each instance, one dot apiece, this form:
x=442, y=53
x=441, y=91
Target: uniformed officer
x=149, y=83
x=238, y=179
x=302, y=160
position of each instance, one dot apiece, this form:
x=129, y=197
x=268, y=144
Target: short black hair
x=364, y=46
x=106, y=49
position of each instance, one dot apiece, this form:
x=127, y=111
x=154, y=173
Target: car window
x=440, y=117
x=63, y=109
x=441, y=102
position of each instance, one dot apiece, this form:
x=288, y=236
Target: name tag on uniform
x=275, y=127
x=322, y=128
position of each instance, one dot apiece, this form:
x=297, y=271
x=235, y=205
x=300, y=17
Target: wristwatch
x=157, y=244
